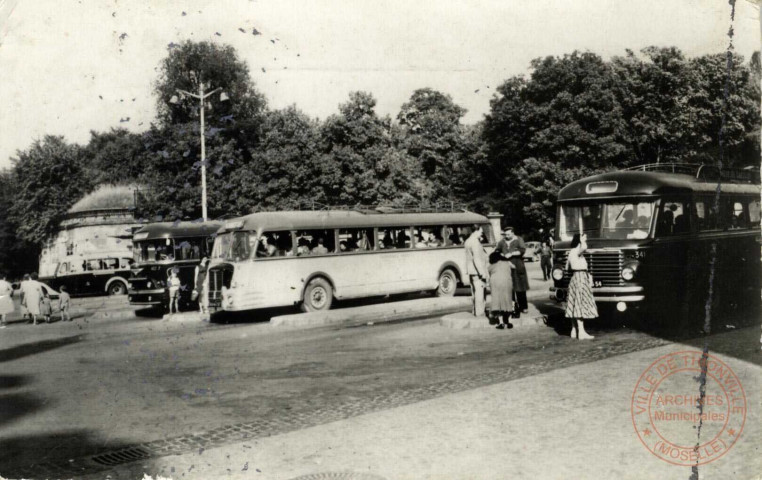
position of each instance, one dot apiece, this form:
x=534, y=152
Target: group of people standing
x=505, y=271
x=35, y=301
x=200, y=290
x=506, y=274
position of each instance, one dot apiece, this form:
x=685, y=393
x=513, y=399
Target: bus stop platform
x=455, y=313
x=533, y=318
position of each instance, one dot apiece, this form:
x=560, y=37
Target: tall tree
x=361, y=159
x=115, y=156
x=433, y=135
x=190, y=64
x=285, y=169
x=49, y=178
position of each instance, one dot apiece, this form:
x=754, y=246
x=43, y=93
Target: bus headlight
x=558, y=274
x=628, y=273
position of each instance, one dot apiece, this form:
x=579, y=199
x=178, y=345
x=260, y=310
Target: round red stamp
x=685, y=417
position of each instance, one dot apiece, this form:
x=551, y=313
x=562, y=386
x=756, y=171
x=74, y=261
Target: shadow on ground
x=24, y=454
x=33, y=348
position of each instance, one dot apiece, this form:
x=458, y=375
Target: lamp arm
x=183, y=92
x=211, y=93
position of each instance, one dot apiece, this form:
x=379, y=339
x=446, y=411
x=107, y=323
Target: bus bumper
x=147, y=297
x=622, y=296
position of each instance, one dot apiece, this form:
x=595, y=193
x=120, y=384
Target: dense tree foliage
x=47, y=180
x=570, y=117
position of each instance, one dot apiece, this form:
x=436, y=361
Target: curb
x=462, y=320
x=385, y=312
x=186, y=316
x=113, y=315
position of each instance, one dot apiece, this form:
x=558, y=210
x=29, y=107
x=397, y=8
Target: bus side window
x=754, y=212
x=428, y=237
x=706, y=215
x=735, y=214
x=315, y=242
x=454, y=235
x=356, y=239
x=401, y=237
x=385, y=239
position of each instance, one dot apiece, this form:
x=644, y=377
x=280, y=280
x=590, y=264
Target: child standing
x=46, y=309
x=64, y=302
x=174, y=292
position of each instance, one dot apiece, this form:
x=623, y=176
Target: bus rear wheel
x=318, y=295
x=448, y=283
x=117, y=288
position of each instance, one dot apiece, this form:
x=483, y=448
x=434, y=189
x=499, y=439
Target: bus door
x=669, y=264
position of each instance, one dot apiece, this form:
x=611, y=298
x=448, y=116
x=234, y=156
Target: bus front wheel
x=448, y=283
x=318, y=295
x=117, y=288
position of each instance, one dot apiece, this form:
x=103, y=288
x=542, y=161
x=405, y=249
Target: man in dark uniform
x=512, y=246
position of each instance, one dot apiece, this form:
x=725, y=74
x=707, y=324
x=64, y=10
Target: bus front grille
x=604, y=265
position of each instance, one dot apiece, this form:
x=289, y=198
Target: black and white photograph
x=390, y=240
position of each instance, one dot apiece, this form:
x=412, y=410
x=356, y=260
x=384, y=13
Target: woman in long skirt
x=6, y=300
x=580, y=303
x=501, y=286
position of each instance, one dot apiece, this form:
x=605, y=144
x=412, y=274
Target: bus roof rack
x=703, y=172
x=444, y=207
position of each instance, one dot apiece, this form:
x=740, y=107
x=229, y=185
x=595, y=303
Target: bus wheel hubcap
x=445, y=283
x=318, y=297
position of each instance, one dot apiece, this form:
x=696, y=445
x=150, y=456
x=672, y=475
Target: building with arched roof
x=100, y=224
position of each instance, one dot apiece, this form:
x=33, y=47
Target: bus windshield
x=606, y=220
x=234, y=246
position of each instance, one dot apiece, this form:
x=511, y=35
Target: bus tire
x=448, y=283
x=318, y=295
x=117, y=288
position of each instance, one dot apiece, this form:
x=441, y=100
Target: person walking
x=580, y=303
x=32, y=296
x=6, y=300
x=174, y=291
x=64, y=303
x=476, y=268
x=501, y=285
x=512, y=246
x=546, y=260
x=201, y=286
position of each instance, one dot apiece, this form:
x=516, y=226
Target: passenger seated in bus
x=403, y=241
x=640, y=228
x=303, y=247
x=320, y=248
x=681, y=224
x=627, y=218
x=387, y=242
x=343, y=246
x=423, y=240
x=435, y=241
x=267, y=247
x=734, y=223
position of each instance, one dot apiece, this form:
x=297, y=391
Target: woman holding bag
x=580, y=303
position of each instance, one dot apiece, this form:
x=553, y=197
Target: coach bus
x=158, y=248
x=652, y=233
x=310, y=258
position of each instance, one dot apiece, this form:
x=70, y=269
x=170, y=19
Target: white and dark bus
x=310, y=258
x=652, y=232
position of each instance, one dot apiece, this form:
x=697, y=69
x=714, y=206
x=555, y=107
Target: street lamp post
x=201, y=96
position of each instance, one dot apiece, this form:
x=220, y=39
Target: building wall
x=88, y=236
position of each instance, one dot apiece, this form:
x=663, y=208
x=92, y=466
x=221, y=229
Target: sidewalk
x=568, y=423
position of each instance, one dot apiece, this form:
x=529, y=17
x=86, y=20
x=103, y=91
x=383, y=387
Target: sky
x=71, y=66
